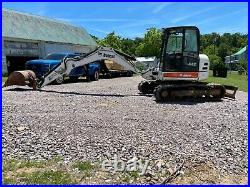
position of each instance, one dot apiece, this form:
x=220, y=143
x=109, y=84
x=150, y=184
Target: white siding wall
x=65, y=48
x=4, y=64
x=42, y=52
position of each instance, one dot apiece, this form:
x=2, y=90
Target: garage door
x=16, y=63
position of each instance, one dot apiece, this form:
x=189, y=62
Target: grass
x=205, y=173
x=48, y=177
x=233, y=79
x=55, y=171
x=14, y=164
x=83, y=166
x=134, y=174
x=4, y=79
x=17, y=171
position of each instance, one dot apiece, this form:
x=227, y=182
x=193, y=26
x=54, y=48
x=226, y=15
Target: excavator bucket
x=230, y=91
x=22, y=78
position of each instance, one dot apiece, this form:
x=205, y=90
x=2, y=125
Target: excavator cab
x=180, y=49
x=182, y=70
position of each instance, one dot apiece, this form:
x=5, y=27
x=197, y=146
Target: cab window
x=190, y=41
x=174, y=44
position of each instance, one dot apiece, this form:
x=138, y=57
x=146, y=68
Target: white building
x=146, y=62
x=26, y=37
x=233, y=61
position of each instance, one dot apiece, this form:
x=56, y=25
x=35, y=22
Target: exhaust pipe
x=22, y=78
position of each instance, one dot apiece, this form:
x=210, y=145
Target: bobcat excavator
x=179, y=73
x=181, y=70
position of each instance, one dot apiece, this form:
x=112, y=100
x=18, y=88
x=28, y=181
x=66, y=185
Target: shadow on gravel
x=88, y=94
x=68, y=81
x=81, y=80
x=72, y=93
x=186, y=101
x=190, y=101
x=20, y=89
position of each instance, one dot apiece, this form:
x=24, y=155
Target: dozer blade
x=22, y=78
x=230, y=91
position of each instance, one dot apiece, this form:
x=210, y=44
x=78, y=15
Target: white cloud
x=228, y=29
x=161, y=6
x=211, y=19
x=138, y=23
x=98, y=30
x=96, y=20
x=183, y=18
x=42, y=8
x=42, y=12
x=124, y=23
x=84, y=20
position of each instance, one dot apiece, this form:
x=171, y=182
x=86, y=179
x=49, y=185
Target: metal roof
x=26, y=26
x=240, y=51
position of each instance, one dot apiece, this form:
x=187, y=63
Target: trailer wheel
x=73, y=78
x=95, y=76
x=129, y=74
x=108, y=75
x=59, y=80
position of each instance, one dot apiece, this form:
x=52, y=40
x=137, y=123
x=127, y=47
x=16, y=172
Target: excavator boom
x=100, y=53
x=28, y=77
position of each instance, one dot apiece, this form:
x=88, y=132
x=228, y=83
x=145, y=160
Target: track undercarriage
x=179, y=90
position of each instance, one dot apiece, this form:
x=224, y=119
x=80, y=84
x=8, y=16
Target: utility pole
x=230, y=68
x=215, y=40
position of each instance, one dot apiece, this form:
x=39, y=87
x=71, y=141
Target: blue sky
x=132, y=19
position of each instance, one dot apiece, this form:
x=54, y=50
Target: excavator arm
x=100, y=53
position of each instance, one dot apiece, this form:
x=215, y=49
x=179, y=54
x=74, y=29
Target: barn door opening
x=16, y=63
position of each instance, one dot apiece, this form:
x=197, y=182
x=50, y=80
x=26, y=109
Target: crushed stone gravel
x=94, y=120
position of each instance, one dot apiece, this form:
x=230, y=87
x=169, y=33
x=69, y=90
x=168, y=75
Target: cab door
x=180, y=49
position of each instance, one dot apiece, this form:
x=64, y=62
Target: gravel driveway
x=97, y=119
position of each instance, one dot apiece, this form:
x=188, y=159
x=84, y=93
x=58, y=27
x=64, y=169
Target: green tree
x=95, y=38
x=243, y=66
x=210, y=50
x=111, y=40
x=223, y=51
x=128, y=46
x=214, y=45
x=210, y=39
x=214, y=60
x=151, y=45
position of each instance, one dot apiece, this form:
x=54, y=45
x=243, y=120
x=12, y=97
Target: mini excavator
x=180, y=71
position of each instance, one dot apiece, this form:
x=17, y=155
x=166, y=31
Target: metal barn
x=26, y=36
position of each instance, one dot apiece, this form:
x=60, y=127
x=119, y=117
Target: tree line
x=216, y=46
